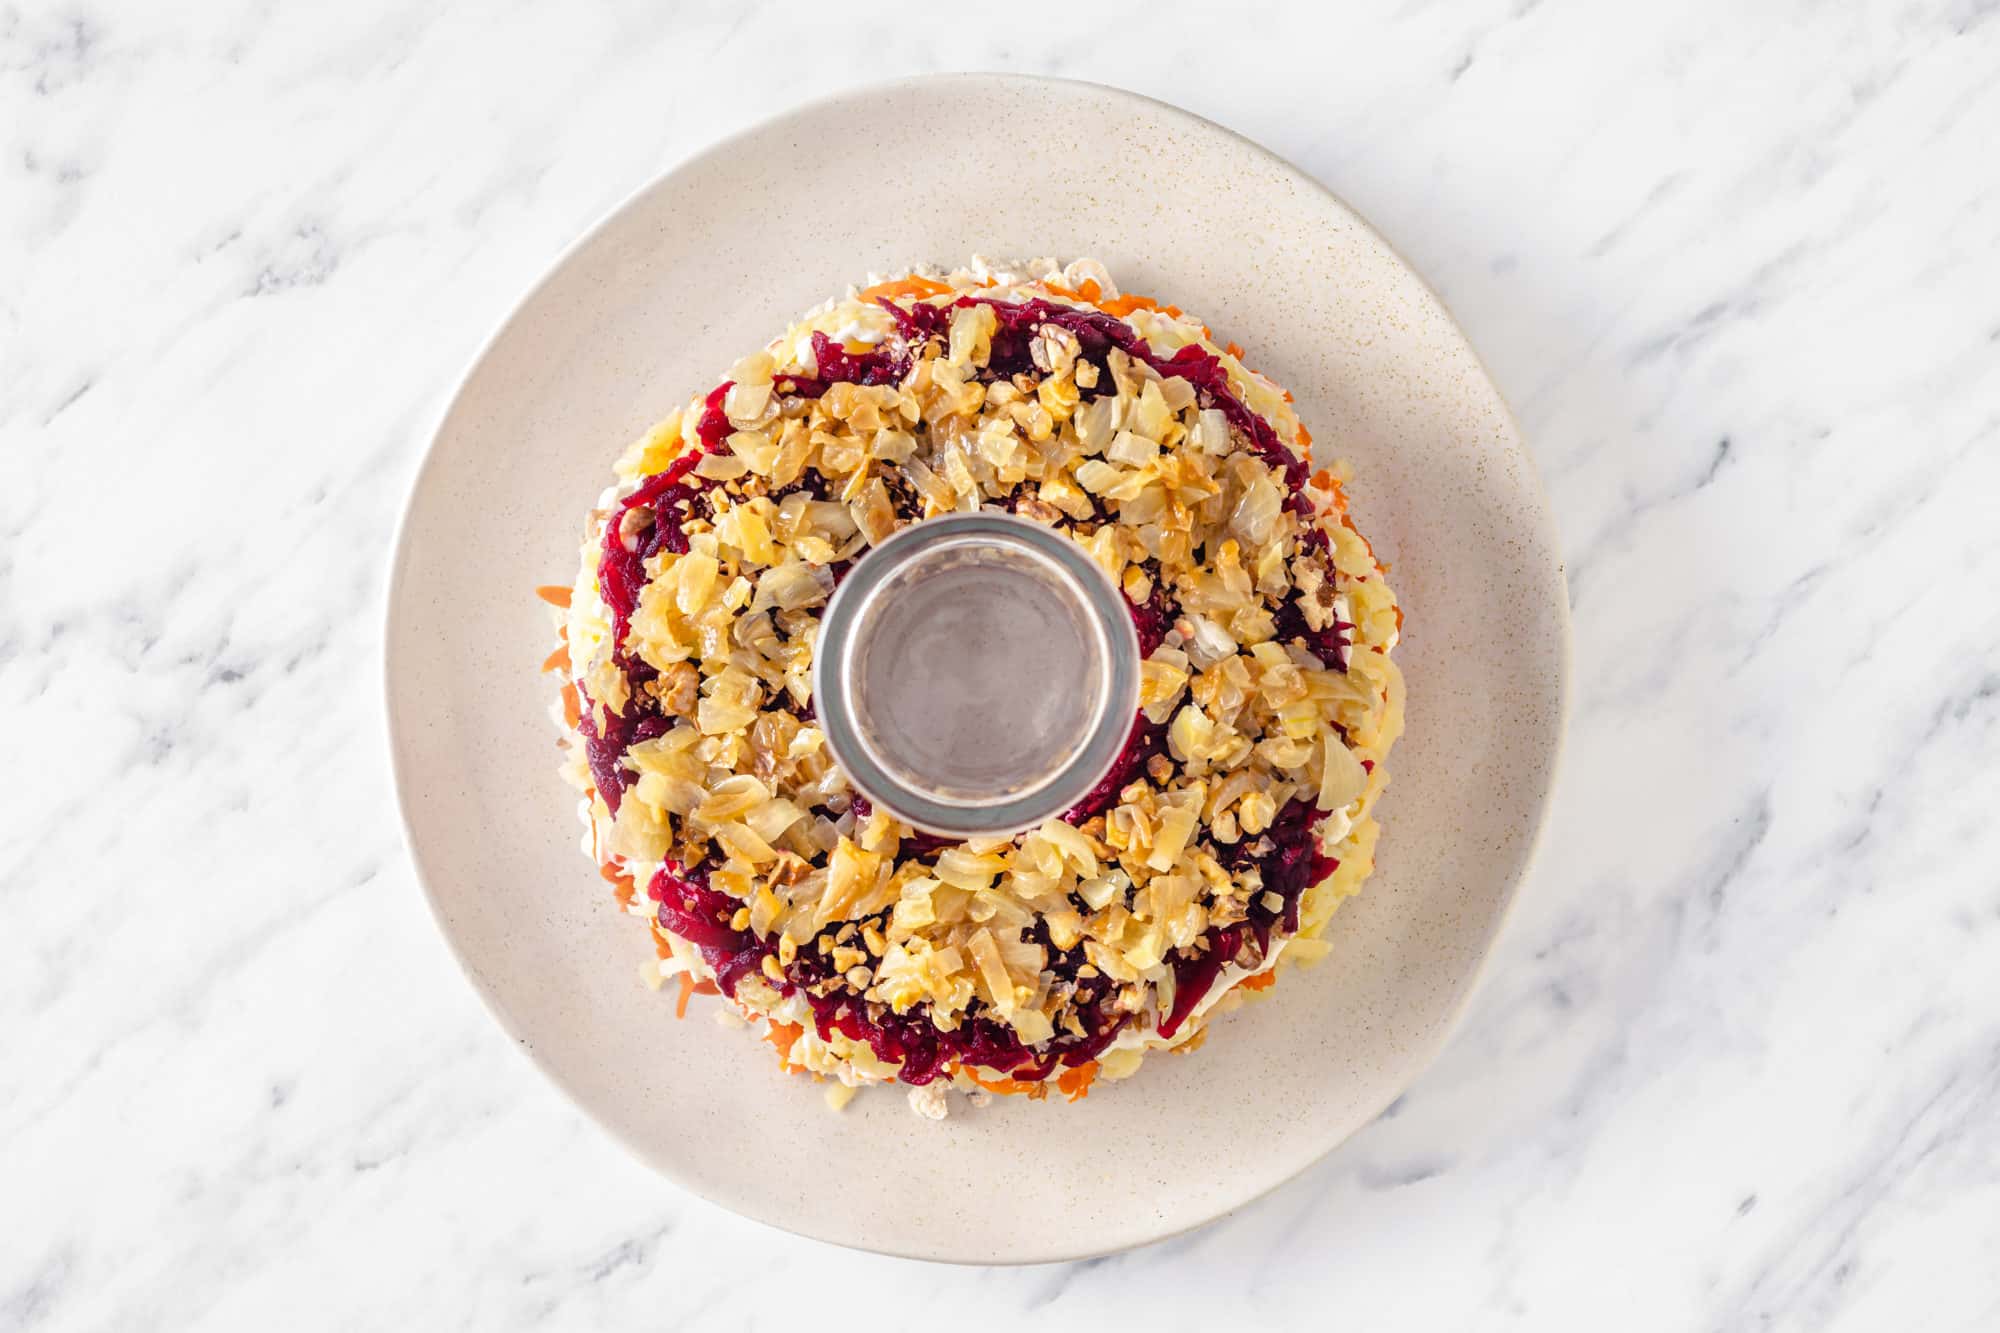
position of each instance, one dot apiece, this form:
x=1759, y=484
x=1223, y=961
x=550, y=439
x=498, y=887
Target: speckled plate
x=709, y=261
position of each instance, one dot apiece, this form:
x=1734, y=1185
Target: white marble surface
x=1737, y=1064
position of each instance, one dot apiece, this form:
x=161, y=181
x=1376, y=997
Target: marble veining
x=1736, y=1063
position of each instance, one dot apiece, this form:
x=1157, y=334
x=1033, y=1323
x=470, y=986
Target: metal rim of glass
x=1108, y=725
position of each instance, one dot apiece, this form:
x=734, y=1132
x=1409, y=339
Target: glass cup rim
x=1108, y=726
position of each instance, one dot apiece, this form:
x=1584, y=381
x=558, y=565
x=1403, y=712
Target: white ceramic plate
x=707, y=263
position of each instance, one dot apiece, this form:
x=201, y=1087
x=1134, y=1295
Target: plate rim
x=394, y=587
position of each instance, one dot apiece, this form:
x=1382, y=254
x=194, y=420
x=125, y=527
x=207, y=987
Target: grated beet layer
x=1291, y=864
x=1145, y=740
x=603, y=749
x=689, y=908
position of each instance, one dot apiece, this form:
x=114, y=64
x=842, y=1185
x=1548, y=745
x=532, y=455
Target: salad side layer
x=1235, y=821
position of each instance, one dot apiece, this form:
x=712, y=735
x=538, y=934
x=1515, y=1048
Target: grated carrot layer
x=910, y=286
x=622, y=887
x=1075, y=1083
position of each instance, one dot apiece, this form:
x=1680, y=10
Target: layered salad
x=865, y=951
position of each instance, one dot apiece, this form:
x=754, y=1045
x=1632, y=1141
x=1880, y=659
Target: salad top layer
x=1267, y=696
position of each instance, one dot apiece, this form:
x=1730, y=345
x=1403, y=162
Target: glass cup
x=976, y=674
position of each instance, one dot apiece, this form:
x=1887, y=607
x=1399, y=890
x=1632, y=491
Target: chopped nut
x=787, y=870
x=680, y=686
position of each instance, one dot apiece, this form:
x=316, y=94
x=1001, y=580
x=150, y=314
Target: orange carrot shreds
x=1007, y=1086
x=689, y=987
x=1305, y=437
x=783, y=1036
x=1034, y=1092
x=572, y=710
x=555, y=594
x=1326, y=481
x=621, y=883
x=1086, y=291
x=1234, y=349
x=1075, y=1083
x=1399, y=624
x=910, y=286
x=999, y=1086
x=660, y=946
x=1262, y=981
x=557, y=660
x=1122, y=306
